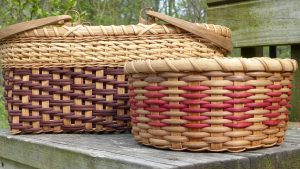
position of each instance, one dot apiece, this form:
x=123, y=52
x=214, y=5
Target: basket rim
x=81, y=30
x=211, y=64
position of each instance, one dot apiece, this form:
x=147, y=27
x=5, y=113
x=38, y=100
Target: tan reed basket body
x=64, y=78
x=215, y=104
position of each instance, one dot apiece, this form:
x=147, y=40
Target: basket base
x=229, y=149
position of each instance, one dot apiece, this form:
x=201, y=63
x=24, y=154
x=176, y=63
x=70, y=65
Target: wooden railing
x=261, y=24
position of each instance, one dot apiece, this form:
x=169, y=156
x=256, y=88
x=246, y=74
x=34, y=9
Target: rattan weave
x=225, y=104
x=69, y=78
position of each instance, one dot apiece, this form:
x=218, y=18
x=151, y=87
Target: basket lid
x=25, y=26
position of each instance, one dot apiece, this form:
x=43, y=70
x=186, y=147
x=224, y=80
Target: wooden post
x=249, y=52
x=295, y=110
x=272, y=51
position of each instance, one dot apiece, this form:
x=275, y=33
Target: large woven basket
x=215, y=104
x=61, y=77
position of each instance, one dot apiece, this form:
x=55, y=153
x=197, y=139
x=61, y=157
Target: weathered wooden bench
x=262, y=23
x=91, y=151
x=254, y=24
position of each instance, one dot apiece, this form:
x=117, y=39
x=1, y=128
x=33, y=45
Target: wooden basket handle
x=25, y=26
x=213, y=37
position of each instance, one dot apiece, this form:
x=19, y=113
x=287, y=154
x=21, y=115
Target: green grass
x=3, y=116
x=3, y=112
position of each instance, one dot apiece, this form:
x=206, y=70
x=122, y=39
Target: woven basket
x=215, y=104
x=61, y=77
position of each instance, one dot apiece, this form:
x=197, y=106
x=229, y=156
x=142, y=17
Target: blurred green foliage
x=284, y=51
x=3, y=114
x=14, y=11
x=96, y=12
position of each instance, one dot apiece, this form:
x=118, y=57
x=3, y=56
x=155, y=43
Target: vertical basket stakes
x=61, y=77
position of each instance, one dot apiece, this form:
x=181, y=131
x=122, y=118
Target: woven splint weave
x=217, y=104
x=61, y=77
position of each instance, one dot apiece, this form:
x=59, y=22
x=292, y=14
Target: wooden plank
x=121, y=151
x=259, y=23
x=124, y=147
x=49, y=155
x=183, y=159
x=113, y=148
x=295, y=115
x=294, y=125
x=275, y=158
x=280, y=157
x=8, y=164
x=249, y=52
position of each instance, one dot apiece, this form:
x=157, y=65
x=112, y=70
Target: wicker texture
x=111, y=46
x=69, y=78
x=67, y=99
x=210, y=104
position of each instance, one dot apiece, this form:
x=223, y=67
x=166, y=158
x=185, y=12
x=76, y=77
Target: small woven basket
x=61, y=77
x=215, y=104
